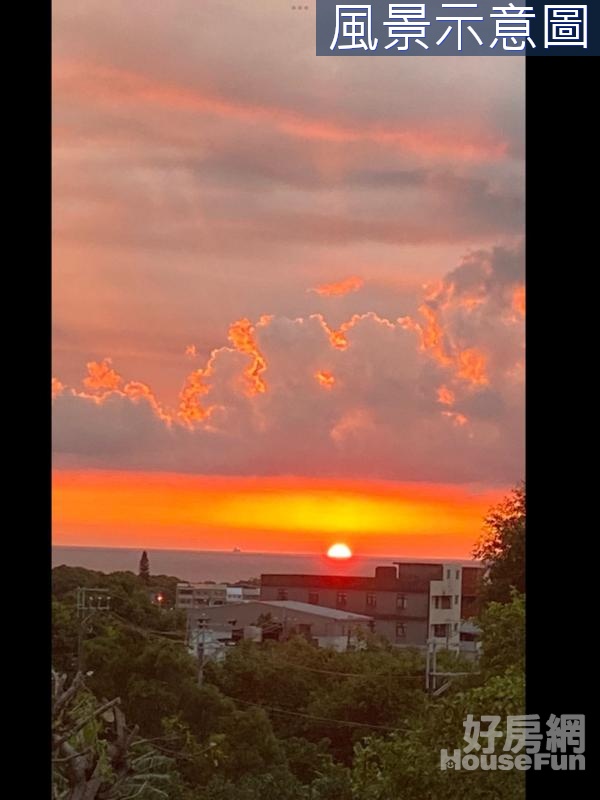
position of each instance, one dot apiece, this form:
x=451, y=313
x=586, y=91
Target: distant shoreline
x=223, y=565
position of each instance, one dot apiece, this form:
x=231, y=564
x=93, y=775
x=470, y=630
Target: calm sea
x=201, y=565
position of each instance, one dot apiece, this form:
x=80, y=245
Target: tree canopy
x=145, y=567
x=501, y=547
x=277, y=720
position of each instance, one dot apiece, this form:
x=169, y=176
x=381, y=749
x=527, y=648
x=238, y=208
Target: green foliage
x=407, y=764
x=502, y=547
x=282, y=720
x=97, y=757
x=371, y=687
x=64, y=636
x=503, y=635
x=130, y=596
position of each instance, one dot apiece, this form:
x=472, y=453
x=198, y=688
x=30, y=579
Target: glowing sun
x=339, y=551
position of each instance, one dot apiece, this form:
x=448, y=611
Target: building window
x=455, y=599
x=439, y=631
x=371, y=600
x=282, y=594
x=341, y=599
x=400, y=602
x=313, y=598
x=457, y=574
x=448, y=574
x=400, y=630
x=446, y=602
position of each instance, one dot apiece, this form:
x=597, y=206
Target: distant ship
x=236, y=550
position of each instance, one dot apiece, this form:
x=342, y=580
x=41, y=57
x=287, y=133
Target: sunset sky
x=288, y=298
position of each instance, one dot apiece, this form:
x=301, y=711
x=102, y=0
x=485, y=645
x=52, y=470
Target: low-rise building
x=325, y=627
x=410, y=603
x=194, y=595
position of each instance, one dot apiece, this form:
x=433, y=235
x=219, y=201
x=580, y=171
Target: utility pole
x=88, y=602
x=432, y=674
x=201, y=647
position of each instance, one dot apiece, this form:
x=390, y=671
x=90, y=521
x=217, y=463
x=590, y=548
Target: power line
x=147, y=631
x=350, y=674
x=346, y=722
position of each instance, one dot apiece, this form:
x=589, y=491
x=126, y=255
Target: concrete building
x=410, y=603
x=326, y=627
x=194, y=595
x=240, y=594
x=470, y=635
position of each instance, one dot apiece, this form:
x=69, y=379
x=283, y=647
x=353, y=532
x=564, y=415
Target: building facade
x=410, y=603
x=194, y=595
x=197, y=595
x=325, y=627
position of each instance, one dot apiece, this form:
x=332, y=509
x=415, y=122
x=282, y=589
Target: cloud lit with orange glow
x=340, y=288
x=518, y=300
x=57, y=387
x=325, y=379
x=195, y=201
x=445, y=396
x=101, y=376
x=472, y=366
x=241, y=335
x=226, y=409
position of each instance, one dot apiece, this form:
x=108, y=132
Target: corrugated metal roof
x=320, y=611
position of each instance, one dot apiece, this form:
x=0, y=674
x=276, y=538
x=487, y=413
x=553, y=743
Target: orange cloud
x=136, y=390
x=341, y=288
x=57, y=387
x=101, y=375
x=110, y=86
x=518, y=300
x=241, y=335
x=337, y=337
x=325, y=379
x=446, y=396
x=471, y=302
x=195, y=387
x=456, y=417
x=471, y=365
x=190, y=351
x=433, y=337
